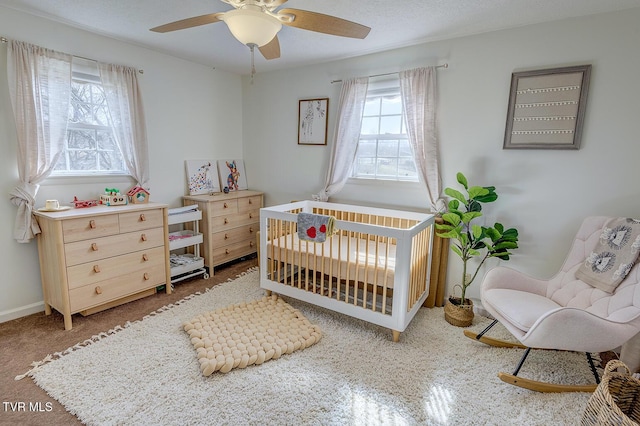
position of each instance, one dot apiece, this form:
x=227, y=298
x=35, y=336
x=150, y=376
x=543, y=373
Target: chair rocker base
x=498, y=343
x=533, y=385
x=543, y=386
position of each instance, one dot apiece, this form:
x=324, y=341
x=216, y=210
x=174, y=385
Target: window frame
x=86, y=71
x=380, y=89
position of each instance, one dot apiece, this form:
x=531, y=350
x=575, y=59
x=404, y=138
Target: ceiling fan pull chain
x=253, y=65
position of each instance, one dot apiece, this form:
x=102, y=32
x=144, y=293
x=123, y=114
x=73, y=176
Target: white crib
x=375, y=268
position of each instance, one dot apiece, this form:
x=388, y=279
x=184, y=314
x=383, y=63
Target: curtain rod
x=445, y=65
x=5, y=40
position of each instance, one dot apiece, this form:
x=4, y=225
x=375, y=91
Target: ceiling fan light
x=251, y=27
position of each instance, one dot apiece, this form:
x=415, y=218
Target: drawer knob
x=92, y=224
x=226, y=237
x=226, y=221
x=250, y=215
x=225, y=206
x=96, y=268
x=98, y=290
x=142, y=218
x=94, y=247
x=146, y=276
x=145, y=257
x=143, y=237
x=250, y=202
x=250, y=243
x=251, y=229
x=226, y=251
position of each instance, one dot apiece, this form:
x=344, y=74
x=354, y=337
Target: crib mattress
x=344, y=257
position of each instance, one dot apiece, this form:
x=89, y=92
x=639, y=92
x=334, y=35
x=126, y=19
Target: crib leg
x=396, y=336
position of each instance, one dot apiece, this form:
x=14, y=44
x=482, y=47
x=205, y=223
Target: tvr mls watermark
x=21, y=406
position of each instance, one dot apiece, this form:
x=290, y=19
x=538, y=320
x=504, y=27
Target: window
x=90, y=146
x=384, y=151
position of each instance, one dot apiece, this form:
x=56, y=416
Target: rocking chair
x=565, y=312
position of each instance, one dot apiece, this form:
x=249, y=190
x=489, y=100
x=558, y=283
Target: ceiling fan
x=256, y=23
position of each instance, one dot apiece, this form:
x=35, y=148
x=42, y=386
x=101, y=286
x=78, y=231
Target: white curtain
x=345, y=141
x=418, y=90
x=124, y=101
x=39, y=87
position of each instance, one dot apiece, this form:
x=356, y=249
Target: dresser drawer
x=247, y=204
x=95, y=249
x=83, y=228
x=233, y=251
x=235, y=235
x=222, y=223
x=105, y=269
x=88, y=296
x=135, y=221
x=223, y=207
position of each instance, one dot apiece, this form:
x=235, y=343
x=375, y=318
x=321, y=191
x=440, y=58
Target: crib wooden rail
x=376, y=267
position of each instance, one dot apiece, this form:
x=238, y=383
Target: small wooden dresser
x=229, y=225
x=95, y=258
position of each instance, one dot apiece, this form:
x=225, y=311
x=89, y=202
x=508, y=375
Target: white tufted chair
x=564, y=312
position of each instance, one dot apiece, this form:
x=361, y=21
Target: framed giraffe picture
x=312, y=121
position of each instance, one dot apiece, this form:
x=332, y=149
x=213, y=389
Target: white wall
x=543, y=193
x=196, y=112
x=192, y=112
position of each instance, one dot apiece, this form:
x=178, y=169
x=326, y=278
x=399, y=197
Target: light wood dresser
x=229, y=225
x=95, y=258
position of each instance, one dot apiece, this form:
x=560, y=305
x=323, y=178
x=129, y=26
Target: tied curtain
x=40, y=89
x=418, y=93
x=345, y=140
x=124, y=101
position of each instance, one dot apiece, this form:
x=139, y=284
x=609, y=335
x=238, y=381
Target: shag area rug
x=147, y=373
x=249, y=333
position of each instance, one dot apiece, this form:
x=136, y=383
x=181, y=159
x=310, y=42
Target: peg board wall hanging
x=546, y=108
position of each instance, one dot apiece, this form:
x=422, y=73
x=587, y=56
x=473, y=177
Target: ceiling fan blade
x=271, y=50
x=188, y=23
x=327, y=24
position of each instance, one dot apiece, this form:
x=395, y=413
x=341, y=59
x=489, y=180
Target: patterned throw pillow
x=614, y=255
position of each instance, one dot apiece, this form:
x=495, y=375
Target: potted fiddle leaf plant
x=470, y=240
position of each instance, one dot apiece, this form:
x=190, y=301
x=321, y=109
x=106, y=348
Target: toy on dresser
x=138, y=195
x=113, y=197
x=83, y=203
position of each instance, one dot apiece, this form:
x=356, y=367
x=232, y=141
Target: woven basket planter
x=457, y=314
x=616, y=400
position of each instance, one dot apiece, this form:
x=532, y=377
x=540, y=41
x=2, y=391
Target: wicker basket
x=458, y=315
x=616, y=400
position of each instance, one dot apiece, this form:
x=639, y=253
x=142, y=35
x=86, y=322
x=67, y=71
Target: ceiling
x=394, y=24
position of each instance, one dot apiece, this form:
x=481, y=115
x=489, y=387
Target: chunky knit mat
x=249, y=333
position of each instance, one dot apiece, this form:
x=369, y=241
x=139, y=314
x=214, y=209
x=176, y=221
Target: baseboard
x=22, y=311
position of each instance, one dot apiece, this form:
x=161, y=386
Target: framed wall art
x=312, y=121
x=546, y=108
x=232, y=175
x=202, y=176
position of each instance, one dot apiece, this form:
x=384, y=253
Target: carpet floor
x=33, y=337
x=147, y=373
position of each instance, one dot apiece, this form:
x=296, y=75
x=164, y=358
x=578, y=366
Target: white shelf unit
x=186, y=265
